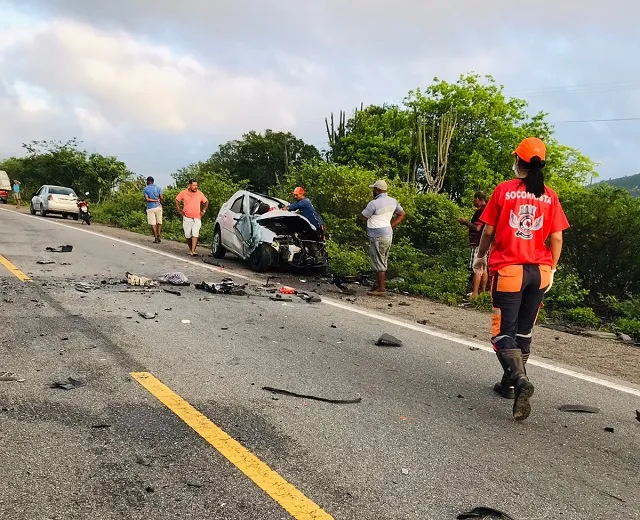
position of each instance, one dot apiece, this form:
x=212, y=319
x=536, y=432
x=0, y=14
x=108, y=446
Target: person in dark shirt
x=306, y=209
x=480, y=278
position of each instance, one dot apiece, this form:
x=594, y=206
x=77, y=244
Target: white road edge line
x=437, y=334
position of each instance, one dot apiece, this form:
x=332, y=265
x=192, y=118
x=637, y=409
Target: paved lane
x=427, y=408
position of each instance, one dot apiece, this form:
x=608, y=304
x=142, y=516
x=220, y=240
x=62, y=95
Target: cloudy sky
x=162, y=83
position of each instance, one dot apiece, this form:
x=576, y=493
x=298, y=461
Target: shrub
x=628, y=326
x=603, y=242
x=347, y=260
x=566, y=292
x=482, y=301
x=582, y=316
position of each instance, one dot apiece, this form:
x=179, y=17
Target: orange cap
x=298, y=191
x=531, y=147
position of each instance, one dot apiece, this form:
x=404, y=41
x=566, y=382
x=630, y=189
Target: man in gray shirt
x=378, y=215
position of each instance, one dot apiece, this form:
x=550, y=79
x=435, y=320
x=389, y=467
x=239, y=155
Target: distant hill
x=630, y=183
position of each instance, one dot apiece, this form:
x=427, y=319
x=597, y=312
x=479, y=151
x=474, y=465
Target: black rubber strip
x=313, y=397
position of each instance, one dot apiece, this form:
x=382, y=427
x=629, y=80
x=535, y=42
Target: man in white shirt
x=378, y=215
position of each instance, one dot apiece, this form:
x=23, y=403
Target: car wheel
x=75, y=216
x=32, y=210
x=217, y=249
x=43, y=213
x=261, y=259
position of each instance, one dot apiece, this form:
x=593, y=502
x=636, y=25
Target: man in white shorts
x=154, y=198
x=194, y=206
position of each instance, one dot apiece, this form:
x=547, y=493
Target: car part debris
x=280, y=298
x=147, y=315
x=484, y=512
x=404, y=304
x=186, y=322
x=175, y=278
x=172, y=291
x=8, y=376
x=578, y=408
x=637, y=415
x=422, y=322
x=285, y=289
x=45, y=262
x=312, y=397
x=226, y=286
x=69, y=384
x=60, y=249
x=474, y=348
x=387, y=340
x=135, y=280
x=100, y=426
x=310, y=298
x=609, y=429
x=405, y=471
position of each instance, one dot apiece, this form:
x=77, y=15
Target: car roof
x=55, y=186
x=263, y=197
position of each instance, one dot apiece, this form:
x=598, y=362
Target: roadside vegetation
x=463, y=131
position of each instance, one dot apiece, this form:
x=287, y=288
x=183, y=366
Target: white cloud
x=161, y=82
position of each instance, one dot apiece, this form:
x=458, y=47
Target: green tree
x=377, y=138
x=261, y=159
x=65, y=164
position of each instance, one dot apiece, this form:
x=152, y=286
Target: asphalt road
x=429, y=439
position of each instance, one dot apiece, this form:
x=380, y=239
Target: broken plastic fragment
x=484, y=512
x=578, y=408
x=609, y=429
x=405, y=471
x=70, y=384
x=387, y=340
x=60, y=249
x=186, y=322
x=8, y=376
x=175, y=278
x=147, y=315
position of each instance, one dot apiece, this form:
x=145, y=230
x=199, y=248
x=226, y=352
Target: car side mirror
x=35, y=195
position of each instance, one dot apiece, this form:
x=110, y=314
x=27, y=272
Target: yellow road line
x=284, y=493
x=14, y=270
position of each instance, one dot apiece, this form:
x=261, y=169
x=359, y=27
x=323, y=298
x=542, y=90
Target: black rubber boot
x=504, y=387
x=513, y=358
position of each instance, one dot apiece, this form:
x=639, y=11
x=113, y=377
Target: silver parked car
x=55, y=199
x=255, y=228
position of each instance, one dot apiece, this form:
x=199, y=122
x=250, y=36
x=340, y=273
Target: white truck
x=5, y=187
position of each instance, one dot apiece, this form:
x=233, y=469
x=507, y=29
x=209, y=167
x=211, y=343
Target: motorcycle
x=83, y=211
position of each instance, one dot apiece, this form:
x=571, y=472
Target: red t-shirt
x=523, y=223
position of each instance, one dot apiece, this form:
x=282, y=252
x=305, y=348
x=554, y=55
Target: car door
x=230, y=237
x=42, y=195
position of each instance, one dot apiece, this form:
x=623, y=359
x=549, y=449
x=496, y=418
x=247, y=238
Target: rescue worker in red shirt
x=521, y=215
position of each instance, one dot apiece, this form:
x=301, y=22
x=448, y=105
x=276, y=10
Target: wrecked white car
x=255, y=228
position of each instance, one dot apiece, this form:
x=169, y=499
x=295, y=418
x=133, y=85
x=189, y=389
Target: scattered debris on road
x=638, y=415
x=405, y=471
x=8, y=376
x=609, y=429
x=422, y=322
x=309, y=298
x=135, y=280
x=45, y=262
x=484, y=512
x=172, y=291
x=578, y=408
x=100, y=426
x=387, y=340
x=175, y=278
x=186, y=322
x=474, y=348
x=147, y=315
x=280, y=298
x=285, y=289
x=226, y=286
x=312, y=397
x=60, y=249
x=69, y=384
